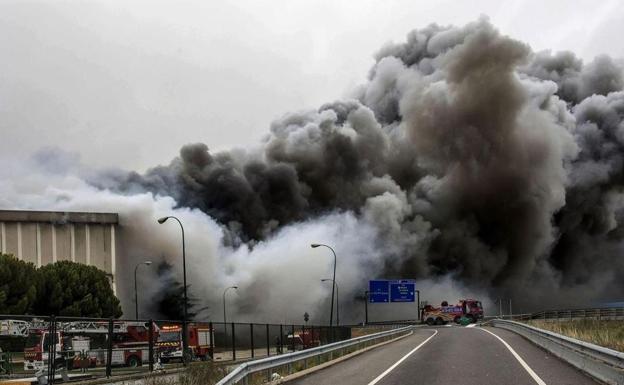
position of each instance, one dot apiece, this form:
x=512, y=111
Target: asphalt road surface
x=452, y=355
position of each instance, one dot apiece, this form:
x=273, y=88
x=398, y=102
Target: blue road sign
x=383, y=290
x=378, y=291
x=402, y=291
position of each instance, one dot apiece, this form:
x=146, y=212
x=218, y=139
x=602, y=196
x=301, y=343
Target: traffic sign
x=402, y=291
x=384, y=291
x=378, y=291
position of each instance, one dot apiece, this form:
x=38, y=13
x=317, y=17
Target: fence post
x=292, y=339
x=51, y=350
x=252, y=340
x=268, y=340
x=151, y=345
x=210, y=339
x=303, y=336
x=233, y=341
x=109, y=348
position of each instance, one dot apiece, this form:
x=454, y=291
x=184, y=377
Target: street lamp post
x=337, y=299
x=331, y=312
x=224, y=314
x=184, y=329
x=136, y=296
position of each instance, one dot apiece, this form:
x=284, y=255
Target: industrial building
x=43, y=237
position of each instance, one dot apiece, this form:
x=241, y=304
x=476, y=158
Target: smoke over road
x=466, y=161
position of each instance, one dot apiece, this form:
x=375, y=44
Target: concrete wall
x=43, y=237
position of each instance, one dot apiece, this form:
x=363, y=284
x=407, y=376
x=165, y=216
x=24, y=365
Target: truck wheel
x=430, y=321
x=133, y=361
x=439, y=321
x=457, y=319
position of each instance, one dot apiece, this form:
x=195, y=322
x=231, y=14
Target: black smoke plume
x=473, y=157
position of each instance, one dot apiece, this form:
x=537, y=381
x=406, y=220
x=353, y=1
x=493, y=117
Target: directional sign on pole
x=384, y=291
x=378, y=291
x=402, y=291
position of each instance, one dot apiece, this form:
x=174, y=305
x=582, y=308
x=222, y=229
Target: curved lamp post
x=337, y=299
x=225, y=291
x=184, y=331
x=331, y=312
x=136, y=296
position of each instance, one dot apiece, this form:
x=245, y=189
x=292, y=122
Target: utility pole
x=366, y=307
x=418, y=303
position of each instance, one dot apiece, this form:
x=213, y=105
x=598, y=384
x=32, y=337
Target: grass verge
x=204, y=373
x=609, y=334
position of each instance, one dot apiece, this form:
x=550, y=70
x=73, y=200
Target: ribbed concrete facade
x=43, y=237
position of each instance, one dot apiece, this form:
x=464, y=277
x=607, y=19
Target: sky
x=127, y=83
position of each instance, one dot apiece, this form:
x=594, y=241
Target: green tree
x=170, y=301
x=73, y=289
x=18, y=285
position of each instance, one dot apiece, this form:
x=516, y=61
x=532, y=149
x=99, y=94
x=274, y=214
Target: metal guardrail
x=604, y=364
x=605, y=313
x=244, y=370
x=609, y=313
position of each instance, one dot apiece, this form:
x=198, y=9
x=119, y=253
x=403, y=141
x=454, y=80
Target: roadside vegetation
x=62, y=288
x=609, y=334
x=205, y=373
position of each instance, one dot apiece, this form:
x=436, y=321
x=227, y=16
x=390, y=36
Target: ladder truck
x=84, y=344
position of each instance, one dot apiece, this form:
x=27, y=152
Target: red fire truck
x=303, y=339
x=469, y=308
x=169, y=343
x=82, y=344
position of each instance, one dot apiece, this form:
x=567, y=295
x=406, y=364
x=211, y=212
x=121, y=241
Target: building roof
x=58, y=217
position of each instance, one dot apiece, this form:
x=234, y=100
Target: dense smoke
x=466, y=161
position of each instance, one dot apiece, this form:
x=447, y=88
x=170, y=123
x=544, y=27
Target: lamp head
x=314, y=245
x=234, y=287
x=148, y=263
x=163, y=220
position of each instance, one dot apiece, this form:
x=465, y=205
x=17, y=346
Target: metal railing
x=243, y=371
x=604, y=364
x=89, y=348
x=607, y=313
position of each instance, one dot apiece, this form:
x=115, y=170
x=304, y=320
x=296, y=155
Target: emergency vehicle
x=169, y=343
x=303, y=339
x=469, y=308
x=84, y=344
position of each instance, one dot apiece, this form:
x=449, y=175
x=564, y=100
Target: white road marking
x=520, y=360
x=471, y=325
x=385, y=373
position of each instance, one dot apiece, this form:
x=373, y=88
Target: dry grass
x=205, y=373
x=609, y=334
x=364, y=331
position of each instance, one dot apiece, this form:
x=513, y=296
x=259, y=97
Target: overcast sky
x=126, y=83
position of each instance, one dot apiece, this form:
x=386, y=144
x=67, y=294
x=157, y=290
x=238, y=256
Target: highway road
x=452, y=355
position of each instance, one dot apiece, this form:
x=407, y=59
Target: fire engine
x=303, y=339
x=84, y=344
x=469, y=308
x=169, y=343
